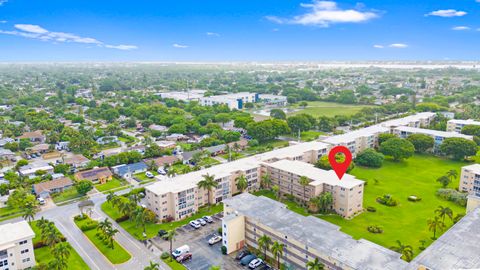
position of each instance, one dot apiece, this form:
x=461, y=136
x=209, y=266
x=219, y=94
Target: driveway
x=204, y=255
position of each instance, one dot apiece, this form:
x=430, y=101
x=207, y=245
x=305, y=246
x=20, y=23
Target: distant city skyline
x=239, y=31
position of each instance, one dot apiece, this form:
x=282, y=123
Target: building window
x=23, y=242
x=24, y=251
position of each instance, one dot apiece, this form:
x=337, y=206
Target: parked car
x=208, y=219
x=41, y=201
x=184, y=257
x=255, y=263
x=242, y=254
x=161, y=171
x=214, y=239
x=195, y=224
x=264, y=266
x=162, y=233
x=180, y=251
x=247, y=259
x=202, y=222
x=149, y=175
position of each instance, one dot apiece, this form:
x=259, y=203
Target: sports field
x=330, y=109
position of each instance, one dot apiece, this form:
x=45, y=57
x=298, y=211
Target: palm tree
x=104, y=225
x=62, y=252
x=30, y=211
x=208, y=183
x=152, y=266
x=434, y=225
x=315, y=265
x=277, y=250
x=405, y=250
x=444, y=211
x=452, y=174
x=140, y=216
x=265, y=181
x=316, y=202
x=326, y=201
x=264, y=243
x=276, y=190
x=304, y=181
x=50, y=235
x=171, y=237
x=112, y=198
x=241, y=183
x=110, y=233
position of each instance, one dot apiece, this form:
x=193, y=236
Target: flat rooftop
x=408, y=119
x=318, y=176
x=13, y=232
x=457, y=248
x=464, y=122
x=317, y=233
x=438, y=133
x=353, y=135
x=474, y=167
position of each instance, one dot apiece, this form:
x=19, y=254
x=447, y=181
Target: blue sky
x=239, y=30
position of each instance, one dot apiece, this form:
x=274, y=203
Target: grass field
x=406, y=222
x=115, y=183
x=66, y=195
x=43, y=254
x=152, y=229
x=320, y=108
x=117, y=255
x=208, y=161
x=311, y=135
x=174, y=264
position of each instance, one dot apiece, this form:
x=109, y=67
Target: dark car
x=247, y=259
x=185, y=257
x=242, y=254
x=162, y=234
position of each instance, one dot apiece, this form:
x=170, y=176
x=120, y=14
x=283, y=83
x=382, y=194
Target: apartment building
x=248, y=217
x=437, y=135
x=179, y=197
x=456, y=125
x=16, y=246
x=470, y=179
x=233, y=101
x=418, y=120
x=347, y=193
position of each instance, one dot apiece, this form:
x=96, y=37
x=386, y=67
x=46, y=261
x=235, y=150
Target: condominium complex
x=470, y=179
x=437, y=135
x=456, y=125
x=418, y=120
x=16, y=246
x=248, y=217
x=233, y=101
x=358, y=140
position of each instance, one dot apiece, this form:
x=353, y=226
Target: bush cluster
x=387, y=200
x=453, y=196
x=375, y=229
x=371, y=209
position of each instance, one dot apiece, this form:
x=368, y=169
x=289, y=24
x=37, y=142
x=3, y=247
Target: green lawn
x=9, y=211
x=143, y=178
x=406, y=222
x=115, y=183
x=311, y=135
x=330, y=109
x=66, y=195
x=235, y=155
x=208, y=161
x=43, y=255
x=152, y=229
x=117, y=255
x=174, y=264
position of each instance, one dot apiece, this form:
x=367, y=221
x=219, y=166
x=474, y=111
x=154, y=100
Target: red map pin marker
x=340, y=168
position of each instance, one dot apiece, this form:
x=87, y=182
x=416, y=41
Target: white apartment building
x=16, y=246
x=190, y=95
x=233, y=101
x=417, y=120
x=470, y=179
x=456, y=125
x=437, y=135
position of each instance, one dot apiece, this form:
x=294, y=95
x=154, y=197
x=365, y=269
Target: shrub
x=224, y=250
x=219, y=230
x=370, y=158
x=122, y=218
x=371, y=209
x=164, y=255
x=453, y=196
x=413, y=198
x=375, y=229
x=90, y=225
x=387, y=200
x=79, y=217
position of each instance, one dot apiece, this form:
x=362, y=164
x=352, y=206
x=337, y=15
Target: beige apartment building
x=456, y=125
x=248, y=217
x=358, y=140
x=470, y=179
x=347, y=193
x=16, y=246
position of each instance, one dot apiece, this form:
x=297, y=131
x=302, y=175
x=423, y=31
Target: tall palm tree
x=208, y=183
x=405, y=250
x=171, y=237
x=140, y=216
x=264, y=243
x=241, y=183
x=315, y=265
x=104, y=225
x=304, y=181
x=110, y=233
x=444, y=211
x=277, y=250
x=276, y=190
x=51, y=236
x=112, y=198
x=452, y=174
x=30, y=210
x=265, y=181
x=152, y=266
x=327, y=200
x=61, y=251
x=434, y=225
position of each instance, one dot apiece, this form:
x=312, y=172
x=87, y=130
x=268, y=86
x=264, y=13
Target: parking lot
x=203, y=254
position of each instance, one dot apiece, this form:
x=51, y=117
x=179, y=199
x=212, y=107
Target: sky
x=239, y=30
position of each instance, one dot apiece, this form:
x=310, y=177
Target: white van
x=180, y=251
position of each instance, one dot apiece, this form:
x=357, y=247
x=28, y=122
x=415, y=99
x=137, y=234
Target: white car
x=195, y=224
x=255, y=263
x=202, y=222
x=208, y=219
x=149, y=175
x=161, y=171
x=215, y=239
x=41, y=201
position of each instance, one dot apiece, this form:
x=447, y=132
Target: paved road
x=62, y=216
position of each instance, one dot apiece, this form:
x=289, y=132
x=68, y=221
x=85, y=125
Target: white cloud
x=378, y=46
x=460, y=28
x=3, y=21
x=3, y=2
x=37, y=32
x=447, y=13
x=325, y=13
x=213, y=34
x=398, y=45
x=175, y=45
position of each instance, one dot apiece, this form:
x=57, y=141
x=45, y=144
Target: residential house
x=45, y=189
x=96, y=175
x=128, y=170
x=34, y=136
x=77, y=161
